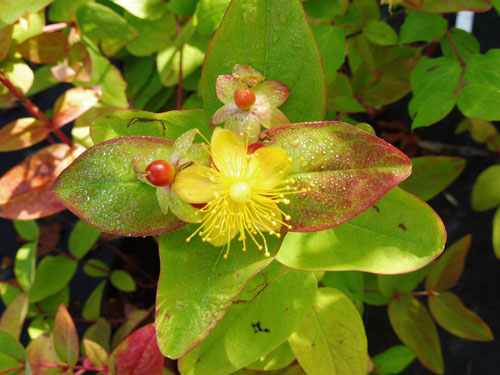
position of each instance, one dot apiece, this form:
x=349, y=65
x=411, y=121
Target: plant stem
x=130, y=262
x=460, y=59
x=57, y=27
x=33, y=109
x=179, y=85
x=12, y=369
x=76, y=367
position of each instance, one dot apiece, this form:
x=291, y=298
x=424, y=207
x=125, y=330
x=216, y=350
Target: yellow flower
x=241, y=192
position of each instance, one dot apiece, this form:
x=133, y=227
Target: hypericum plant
x=274, y=229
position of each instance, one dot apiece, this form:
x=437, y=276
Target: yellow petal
x=267, y=167
x=194, y=184
x=229, y=153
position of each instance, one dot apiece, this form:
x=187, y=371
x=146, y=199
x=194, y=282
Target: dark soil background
x=479, y=287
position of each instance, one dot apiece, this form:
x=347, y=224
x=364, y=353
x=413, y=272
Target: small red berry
x=160, y=173
x=244, y=98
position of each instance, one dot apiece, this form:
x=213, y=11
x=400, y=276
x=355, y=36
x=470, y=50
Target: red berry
x=244, y=98
x=160, y=173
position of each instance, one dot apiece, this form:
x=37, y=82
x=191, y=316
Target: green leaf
x=138, y=354
x=27, y=229
x=392, y=285
x=345, y=170
x=168, y=62
x=485, y=190
x=380, y=33
x=446, y=6
x=372, y=294
x=422, y=27
x=99, y=332
x=351, y=283
x=147, y=9
x=383, y=76
x=252, y=327
x=208, y=15
x=11, y=11
x=183, y=7
x=431, y=175
x=96, y=353
x=8, y=292
x=167, y=125
x=496, y=233
x=7, y=363
x=103, y=189
x=153, y=35
x=480, y=131
x=321, y=9
x=276, y=359
x=332, y=46
x=331, y=339
x=13, y=316
x=82, y=238
x=393, y=360
x=188, y=308
x=64, y=10
x=480, y=96
x=122, y=280
x=92, y=307
x=280, y=45
x=105, y=28
x=40, y=326
x=42, y=80
x=19, y=74
x=51, y=304
x=415, y=328
x=29, y=25
x=465, y=44
x=46, y=283
x=11, y=347
x=453, y=316
x=340, y=95
x=65, y=337
x=405, y=235
x=24, y=266
x=446, y=271
x=433, y=82
x=101, y=269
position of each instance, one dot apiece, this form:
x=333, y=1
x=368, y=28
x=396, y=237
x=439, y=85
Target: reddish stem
x=57, y=27
x=460, y=59
x=86, y=368
x=179, y=86
x=33, y=109
x=12, y=369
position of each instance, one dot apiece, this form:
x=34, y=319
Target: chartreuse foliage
x=311, y=195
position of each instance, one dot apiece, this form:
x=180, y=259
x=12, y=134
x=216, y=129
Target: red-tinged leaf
x=102, y=188
x=432, y=174
x=26, y=189
x=73, y=103
x=65, y=337
x=5, y=40
x=96, y=353
x=79, y=60
x=46, y=48
x=13, y=317
x=453, y=316
x=415, y=328
x=22, y=133
x=345, y=169
x=138, y=354
x=40, y=353
x=447, y=6
x=446, y=271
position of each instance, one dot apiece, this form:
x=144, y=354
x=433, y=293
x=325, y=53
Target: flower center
x=240, y=192
x=244, y=98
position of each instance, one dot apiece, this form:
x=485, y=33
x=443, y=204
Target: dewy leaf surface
x=167, y=125
x=415, y=328
x=432, y=174
x=102, y=188
x=273, y=37
x=345, y=168
x=197, y=285
x=331, y=339
x=261, y=318
x=400, y=233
